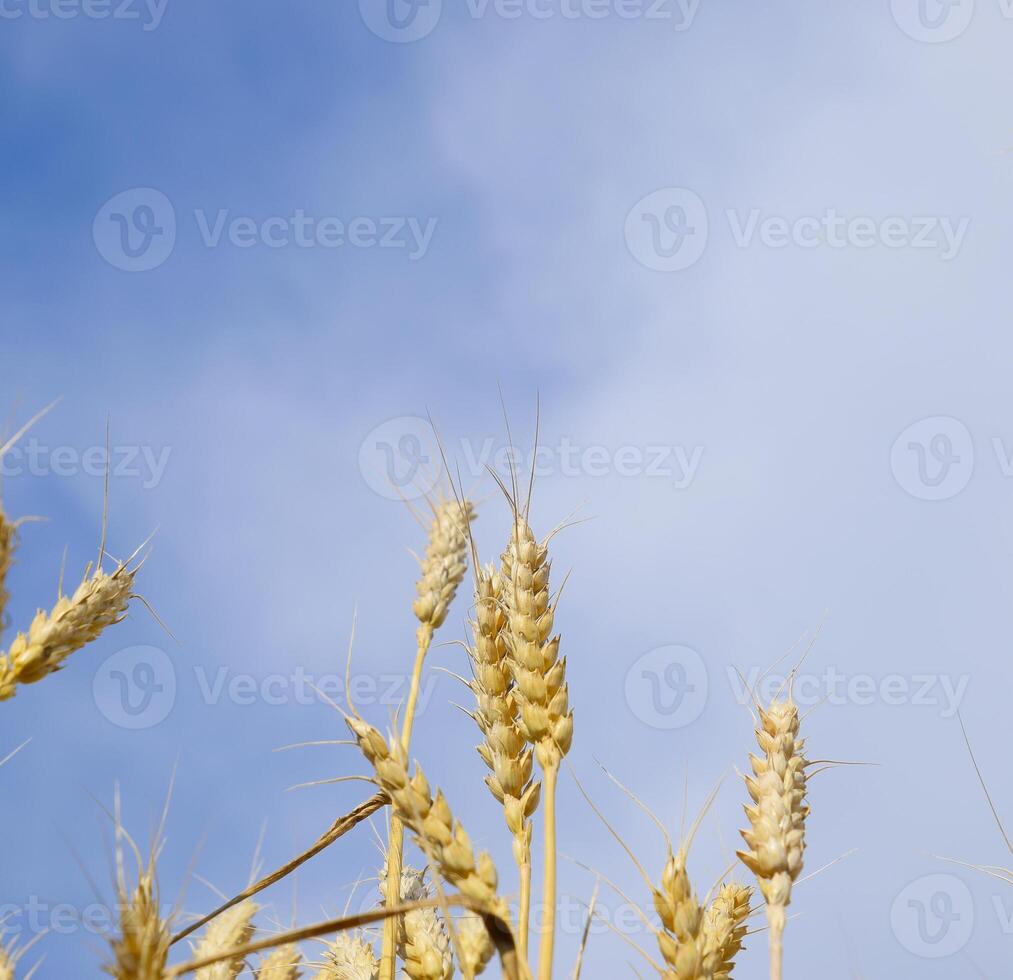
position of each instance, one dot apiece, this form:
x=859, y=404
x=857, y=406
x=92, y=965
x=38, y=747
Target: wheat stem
x=395, y=843
x=547, y=946
x=776, y=918
x=524, y=913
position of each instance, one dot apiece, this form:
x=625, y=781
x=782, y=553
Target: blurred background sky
x=754, y=259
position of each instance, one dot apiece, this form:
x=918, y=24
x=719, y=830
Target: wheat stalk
x=776, y=838
x=282, y=964
x=100, y=601
x=231, y=929
x=544, y=716
x=443, y=569
x=505, y=750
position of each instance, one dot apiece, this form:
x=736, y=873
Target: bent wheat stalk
x=497, y=928
x=443, y=570
x=338, y=829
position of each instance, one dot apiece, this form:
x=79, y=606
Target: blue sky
x=751, y=260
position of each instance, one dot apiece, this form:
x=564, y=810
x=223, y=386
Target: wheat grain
x=776, y=838
x=282, y=964
x=422, y=940
x=724, y=929
x=100, y=601
x=231, y=929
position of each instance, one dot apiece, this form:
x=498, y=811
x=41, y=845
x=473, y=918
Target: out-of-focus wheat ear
x=474, y=947
x=777, y=817
x=349, y=956
x=230, y=930
x=724, y=929
x=282, y=964
x=9, y=528
x=141, y=947
x=11, y=955
x=100, y=601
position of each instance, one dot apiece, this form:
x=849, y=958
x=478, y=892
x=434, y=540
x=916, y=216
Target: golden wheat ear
x=282, y=964
x=231, y=929
x=776, y=837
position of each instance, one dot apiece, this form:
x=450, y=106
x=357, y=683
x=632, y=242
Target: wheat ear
x=8, y=545
x=423, y=942
x=282, y=964
x=776, y=837
x=100, y=601
x=141, y=949
x=349, y=957
x=544, y=716
x=474, y=947
x=230, y=930
x=724, y=929
x=443, y=568
x=682, y=939
x=505, y=750
x=444, y=841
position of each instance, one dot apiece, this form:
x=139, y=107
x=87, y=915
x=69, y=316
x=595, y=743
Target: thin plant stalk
x=524, y=912
x=395, y=844
x=548, y=941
